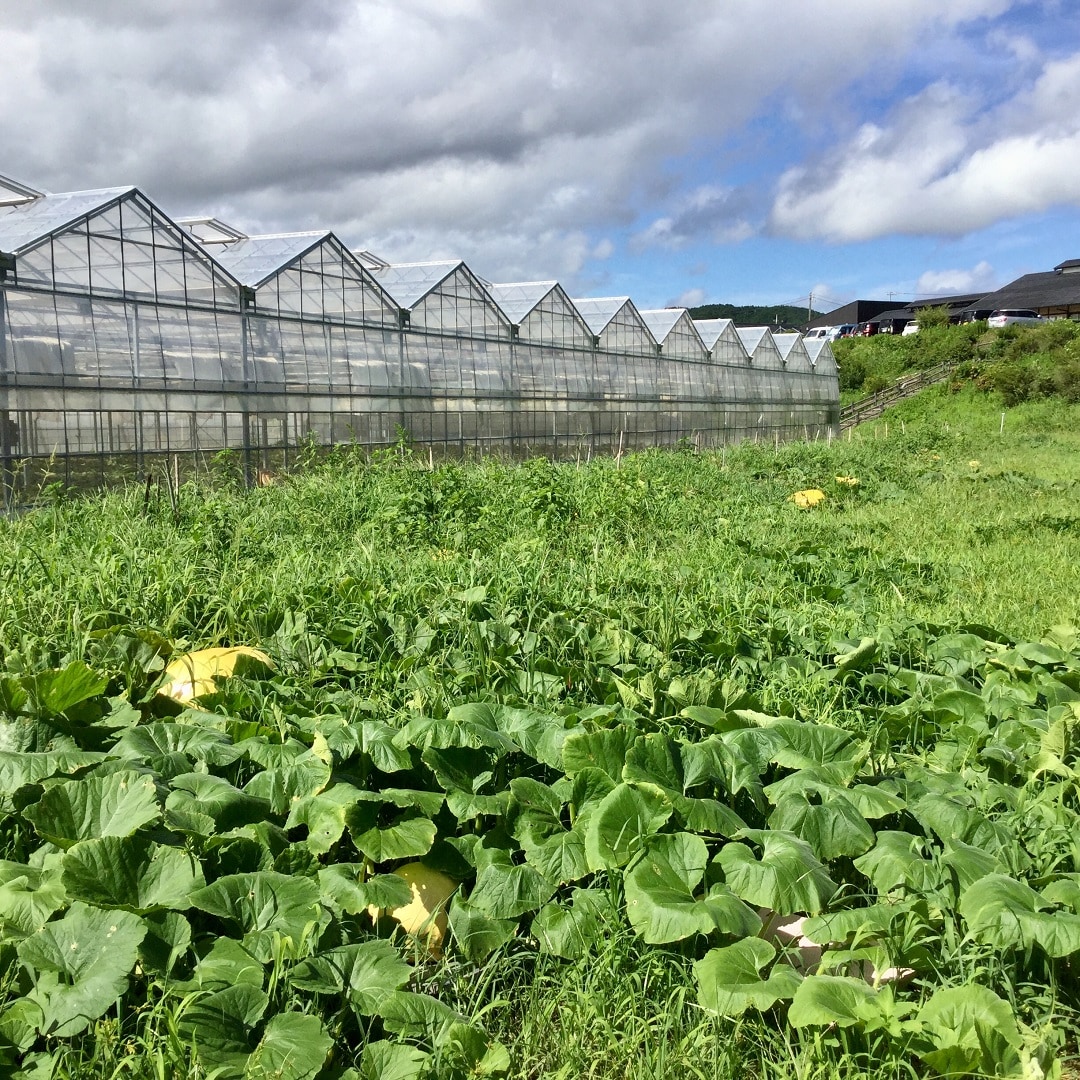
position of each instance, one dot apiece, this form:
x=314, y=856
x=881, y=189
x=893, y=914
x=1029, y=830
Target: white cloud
x=980, y=278
x=944, y=167
x=690, y=298
x=505, y=133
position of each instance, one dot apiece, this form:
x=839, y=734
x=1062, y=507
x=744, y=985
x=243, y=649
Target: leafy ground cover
x=1015, y=363
x=722, y=785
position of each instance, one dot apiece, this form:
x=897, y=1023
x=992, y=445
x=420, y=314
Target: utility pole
x=809, y=308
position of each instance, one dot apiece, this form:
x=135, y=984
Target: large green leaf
x=571, y=929
x=654, y=759
x=832, y=828
x=622, y=822
x=282, y=786
x=29, y=896
x=787, y=878
x=54, y=692
x=660, y=894
x=18, y=769
x=149, y=742
x=168, y=938
x=1006, y=913
x=407, y=838
x=228, y=963
x=604, y=750
x=707, y=816
x=729, y=979
x=213, y=799
x=950, y=819
x=345, y=888
x=897, y=859
x=801, y=746
x=267, y=907
x=117, y=804
x=377, y=741
x=560, y=858
x=221, y=1025
x=416, y=1015
x=324, y=815
x=505, y=892
x=477, y=933
x=825, y=1000
x=294, y=1046
x=364, y=973
x=80, y=965
x=971, y=1031
x=130, y=872
x=386, y=1060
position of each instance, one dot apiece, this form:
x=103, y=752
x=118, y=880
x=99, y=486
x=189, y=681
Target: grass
x=384, y=588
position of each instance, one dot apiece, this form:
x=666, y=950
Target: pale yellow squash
x=424, y=916
x=195, y=674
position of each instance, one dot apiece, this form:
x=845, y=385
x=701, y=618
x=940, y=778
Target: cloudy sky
x=743, y=151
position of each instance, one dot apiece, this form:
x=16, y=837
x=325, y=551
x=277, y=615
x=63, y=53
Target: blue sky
x=743, y=151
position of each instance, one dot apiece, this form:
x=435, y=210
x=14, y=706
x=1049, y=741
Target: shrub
x=1066, y=379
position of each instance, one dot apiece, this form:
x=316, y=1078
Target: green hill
x=755, y=314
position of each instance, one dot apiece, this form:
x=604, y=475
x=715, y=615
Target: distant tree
x=755, y=314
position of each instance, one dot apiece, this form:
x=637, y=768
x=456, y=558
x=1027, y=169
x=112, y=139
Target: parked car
x=829, y=333
x=1014, y=316
x=910, y=327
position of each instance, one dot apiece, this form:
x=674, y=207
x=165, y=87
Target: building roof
x=518, y=299
x=711, y=330
x=256, y=259
x=751, y=336
x=662, y=321
x=409, y=283
x=26, y=224
x=1042, y=290
x=599, y=311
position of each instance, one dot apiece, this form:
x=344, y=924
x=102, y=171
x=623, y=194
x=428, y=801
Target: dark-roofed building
x=894, y=320
x=1054, y=292
x=856, y=312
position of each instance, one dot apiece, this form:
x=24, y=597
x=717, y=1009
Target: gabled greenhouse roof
x=409, y=283
x=751, y=336
x=785, y=343
x=661, y=321
x=518, y=298
x=27, y=224
x=12, y=192
x=711, y=330
x=599, y=311
x=818, y=349
x=256, y=259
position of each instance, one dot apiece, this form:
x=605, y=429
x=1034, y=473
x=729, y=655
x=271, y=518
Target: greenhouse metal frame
x=127, y=336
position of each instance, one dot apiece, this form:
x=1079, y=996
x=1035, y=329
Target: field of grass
x=639, y=714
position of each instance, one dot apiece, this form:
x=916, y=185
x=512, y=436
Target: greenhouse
x=128, y=337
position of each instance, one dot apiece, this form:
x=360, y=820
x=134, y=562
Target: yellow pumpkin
x=424, y=916
x=196, y=673
x=810, y=497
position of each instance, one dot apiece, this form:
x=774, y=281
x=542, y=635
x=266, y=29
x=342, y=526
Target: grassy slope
x=660, y=547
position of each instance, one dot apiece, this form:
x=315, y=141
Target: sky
x=732, y=151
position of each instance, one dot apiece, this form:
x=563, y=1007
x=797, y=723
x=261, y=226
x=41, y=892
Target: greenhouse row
x=128, y=336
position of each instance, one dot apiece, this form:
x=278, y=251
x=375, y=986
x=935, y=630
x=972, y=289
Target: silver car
x=1018, y=316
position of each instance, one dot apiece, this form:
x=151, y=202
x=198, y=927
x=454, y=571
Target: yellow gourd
x=196, y=673
x=424, y=916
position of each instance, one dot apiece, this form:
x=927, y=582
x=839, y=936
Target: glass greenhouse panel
x=120, y=246
x=126, y=338
x=676, y=333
